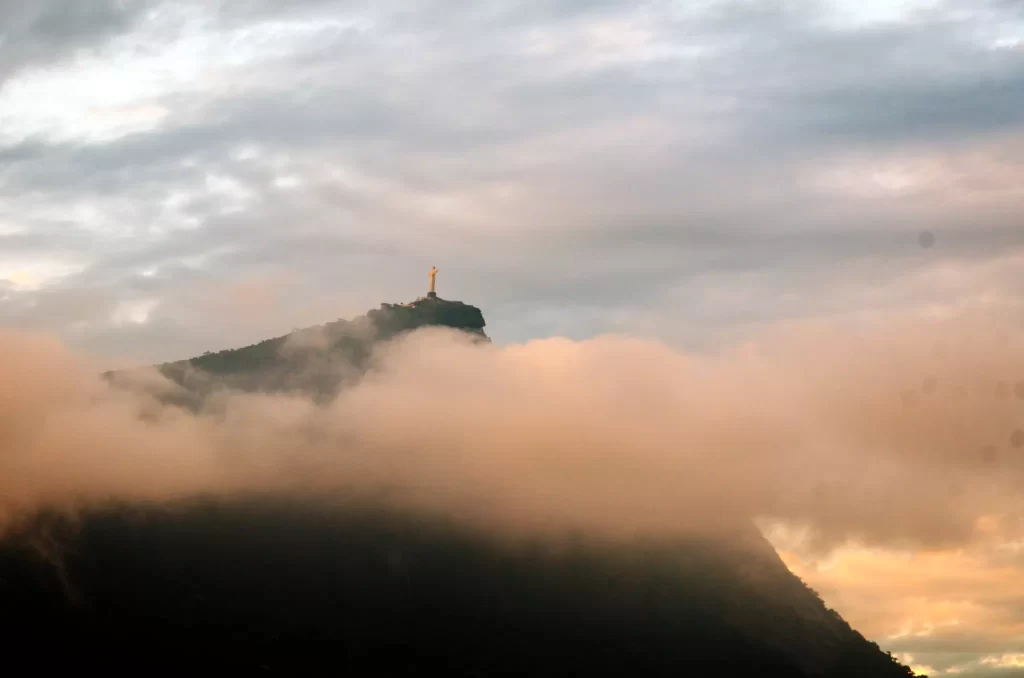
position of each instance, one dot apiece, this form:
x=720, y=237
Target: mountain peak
x=430, y=310
x=315, y=360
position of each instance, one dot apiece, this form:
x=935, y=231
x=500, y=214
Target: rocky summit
x=427, y=311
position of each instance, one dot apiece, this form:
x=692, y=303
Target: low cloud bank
x=907, y=434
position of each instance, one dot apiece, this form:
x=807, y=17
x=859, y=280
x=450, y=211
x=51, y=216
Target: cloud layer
x=899, y=437
x=571, y=167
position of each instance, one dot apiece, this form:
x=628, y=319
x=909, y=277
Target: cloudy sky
x=183, y=176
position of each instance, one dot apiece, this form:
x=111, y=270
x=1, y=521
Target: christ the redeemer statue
x=433, y=276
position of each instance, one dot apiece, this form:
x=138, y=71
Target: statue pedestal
x=431, y=295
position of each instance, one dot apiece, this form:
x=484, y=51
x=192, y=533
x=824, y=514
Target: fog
x=896, y=435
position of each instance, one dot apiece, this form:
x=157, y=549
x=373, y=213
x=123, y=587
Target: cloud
x=854, y=432
x=39, y=33
x=957, y=611
x=571, y=167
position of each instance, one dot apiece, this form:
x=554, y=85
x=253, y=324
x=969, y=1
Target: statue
x=433, y=275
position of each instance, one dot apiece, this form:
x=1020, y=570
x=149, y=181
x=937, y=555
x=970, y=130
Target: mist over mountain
x=275, y=580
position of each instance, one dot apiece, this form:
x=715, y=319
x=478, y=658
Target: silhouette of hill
x=305, y=586
x=318, y=585
x=317, y=361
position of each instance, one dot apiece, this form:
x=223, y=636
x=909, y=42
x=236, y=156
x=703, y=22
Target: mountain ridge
x=316, y=361
x=381, y=592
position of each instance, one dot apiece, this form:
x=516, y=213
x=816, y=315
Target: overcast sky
x=176, y=177
x=184, y=176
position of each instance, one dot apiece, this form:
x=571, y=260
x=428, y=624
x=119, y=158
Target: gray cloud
x=566, y=164
x=43, y=31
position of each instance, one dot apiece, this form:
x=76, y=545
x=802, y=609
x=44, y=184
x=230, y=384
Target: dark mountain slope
x=290, y=586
